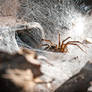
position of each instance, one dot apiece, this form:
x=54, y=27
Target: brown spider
x=61, y=47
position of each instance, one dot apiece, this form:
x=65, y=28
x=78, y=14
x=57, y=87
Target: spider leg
x=69, y=43
x=64, y=49
x=56, y=46
x=48, y=47
x=64, y=46
x=77, y=42
x=44, y=45
x=66, y=39
x=47, y=41
x=59, y=41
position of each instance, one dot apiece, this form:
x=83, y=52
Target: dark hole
x=31, y=38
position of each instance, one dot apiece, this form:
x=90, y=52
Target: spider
x=61, y=47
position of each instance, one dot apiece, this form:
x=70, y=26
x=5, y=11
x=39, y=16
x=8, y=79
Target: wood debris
x=18, y=70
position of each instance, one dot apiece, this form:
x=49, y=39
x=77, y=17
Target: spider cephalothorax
x=61, y=47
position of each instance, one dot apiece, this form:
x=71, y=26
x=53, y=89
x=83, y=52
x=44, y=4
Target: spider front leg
x=59, y=44
x=47, y=41
x=49, y=46
x=63, y=47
